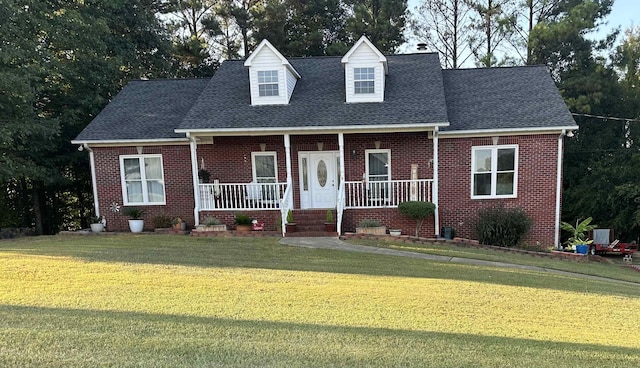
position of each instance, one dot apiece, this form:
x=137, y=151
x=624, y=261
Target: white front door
x=323, y=183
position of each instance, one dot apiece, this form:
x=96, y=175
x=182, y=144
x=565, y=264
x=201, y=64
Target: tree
x=527, y=14
x=418, y=211
x=382, y=21
x=492, y=23
x=444, y=25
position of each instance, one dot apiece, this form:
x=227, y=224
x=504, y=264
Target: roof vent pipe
x=422, y=47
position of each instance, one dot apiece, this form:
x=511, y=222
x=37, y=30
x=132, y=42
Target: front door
x=323, y=183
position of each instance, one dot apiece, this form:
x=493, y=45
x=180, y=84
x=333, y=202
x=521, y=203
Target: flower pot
x=378, y=230
x=211, y=228
x=329, y=227
x=243, y=227
x=582, y=249
x=97, y=228
x=136, y=226
x=291, y=228
x=395, y=232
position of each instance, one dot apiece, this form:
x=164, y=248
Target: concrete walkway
x=337, y=244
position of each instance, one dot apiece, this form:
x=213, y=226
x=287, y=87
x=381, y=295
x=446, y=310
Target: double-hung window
x=378, y=174
x=142, y=179
x=364, y=80
x=265, y=171
x=494, y=171
x=268, y=83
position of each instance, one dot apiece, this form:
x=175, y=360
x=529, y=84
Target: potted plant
x=291, y=226
x=579, y=240
x=373, y=227
x=329, y=225
x=179, y=224
x=418, y=211
x=204, y=175
x=395, y=232
x=243, y=222
x=96, y=224
x=136, y=223
x=211, y=224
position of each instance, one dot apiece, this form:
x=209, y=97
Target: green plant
x=96, y=219
x=134, y=212
x=161, y=222
x=243, y=219
x=204, y=175
x=369, y=223
x=210, y=221
x=501, y=226
x=418, y=211
x=290, y=217
x=329, y=216
x=579, y=233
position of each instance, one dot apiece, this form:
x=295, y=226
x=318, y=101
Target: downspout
x=193, y=147
x=92, y=164
x=287, y=149
x=436, y=214
x=341, y=198
x=559, y=188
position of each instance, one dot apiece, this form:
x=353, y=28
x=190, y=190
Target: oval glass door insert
x=322, y=173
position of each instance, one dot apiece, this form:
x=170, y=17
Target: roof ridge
x=497, y=67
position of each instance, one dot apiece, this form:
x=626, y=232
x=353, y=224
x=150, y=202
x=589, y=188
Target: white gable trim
x=365, y=40
x=284, y=60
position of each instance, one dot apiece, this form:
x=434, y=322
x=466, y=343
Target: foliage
x=369, y=223
x=161, y=222
x=329, y=216
x=492, y=23
x=501, y=226
x=579, y=233
x=96, y=219
x=243, y=219
x=417, y=210
x=289, y=217
x=210, y=221
x=204, y=175
x=382, y=21
x=135, y=213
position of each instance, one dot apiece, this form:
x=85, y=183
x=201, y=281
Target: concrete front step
x=311, y=234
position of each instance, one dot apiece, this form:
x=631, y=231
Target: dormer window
x=364, y=80
x=268, y=83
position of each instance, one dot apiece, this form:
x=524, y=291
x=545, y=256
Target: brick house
x=359, y=134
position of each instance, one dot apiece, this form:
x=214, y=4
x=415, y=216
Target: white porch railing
x=241, y=196
x=386, y=193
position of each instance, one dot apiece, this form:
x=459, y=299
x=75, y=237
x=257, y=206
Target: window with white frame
x=142, y=179
x=378, y=164
x=265, y=171
x=494, y=171
x=364, y=80
x=268, y=83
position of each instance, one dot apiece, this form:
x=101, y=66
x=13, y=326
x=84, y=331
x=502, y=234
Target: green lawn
x=167, y=301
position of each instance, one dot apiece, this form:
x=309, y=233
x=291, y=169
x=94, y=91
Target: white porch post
x=287, y=150
x=436, y=214
x=340, y=198
x=193, y=145
x=341, y=148
x=92, y=164
x=556, y=240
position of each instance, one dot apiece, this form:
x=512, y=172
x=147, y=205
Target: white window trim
x=277, y=83
x=494, y=171
x=143, y=178
x=364, y=80
x=366, y=155
x=266, y=153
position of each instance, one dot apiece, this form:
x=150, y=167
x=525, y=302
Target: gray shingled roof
x=417, y=92
x=413, y=95
x=503, y=98
x=145, y=110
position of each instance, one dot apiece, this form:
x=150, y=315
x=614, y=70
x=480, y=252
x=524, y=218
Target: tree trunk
x=37, y=208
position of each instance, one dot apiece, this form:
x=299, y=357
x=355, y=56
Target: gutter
x=92, y=164
x=559, y=187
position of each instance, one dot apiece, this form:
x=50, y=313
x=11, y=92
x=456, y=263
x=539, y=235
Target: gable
x=365, y=69
x=272, y=78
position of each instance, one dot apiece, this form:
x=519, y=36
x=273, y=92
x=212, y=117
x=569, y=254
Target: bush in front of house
x=501, y=226
x=161, y=222
x=418, y=211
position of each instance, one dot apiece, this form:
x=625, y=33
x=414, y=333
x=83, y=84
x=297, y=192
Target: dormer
x=271, y=77
x=365, y=69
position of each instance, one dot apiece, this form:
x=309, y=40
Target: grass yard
x=166, y=301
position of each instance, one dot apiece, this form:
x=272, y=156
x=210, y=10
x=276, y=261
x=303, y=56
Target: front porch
x=346, y=172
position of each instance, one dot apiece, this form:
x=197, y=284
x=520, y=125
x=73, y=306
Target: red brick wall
x=270, y=218
x=176, y=161
x=389, y=217
x=537, y=166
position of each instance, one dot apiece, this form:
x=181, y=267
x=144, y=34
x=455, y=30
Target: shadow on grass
x=34, y=336
x=267, y=253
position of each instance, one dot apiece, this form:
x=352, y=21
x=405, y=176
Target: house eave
x=130, y=142
x=506, y=131
x=316, y=130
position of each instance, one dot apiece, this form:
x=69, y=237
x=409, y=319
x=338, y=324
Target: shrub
x=95, y=220
x=369, y=223
x=161, y=222
x=417, y=210
x=210, y=221
x=134, y=212
x=290, y=217
x=242, y=219
x=329, y=216
x=501, y=226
